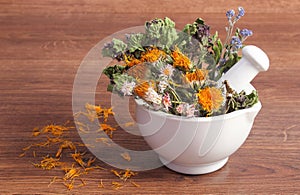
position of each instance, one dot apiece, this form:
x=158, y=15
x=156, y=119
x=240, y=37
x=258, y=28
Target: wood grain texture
x=42, y=44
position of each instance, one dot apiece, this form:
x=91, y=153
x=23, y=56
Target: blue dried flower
x=236, y=43
x=246, y=33
x=241, y=12
x=230, y=14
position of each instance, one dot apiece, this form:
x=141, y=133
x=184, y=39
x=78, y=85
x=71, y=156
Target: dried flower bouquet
x=178, y=71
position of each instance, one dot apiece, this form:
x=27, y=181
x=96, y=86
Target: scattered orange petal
x=126, y=156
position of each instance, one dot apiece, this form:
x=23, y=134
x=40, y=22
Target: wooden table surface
x=42, y=44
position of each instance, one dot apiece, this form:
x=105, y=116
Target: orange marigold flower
x=198, y=75
x=131, y=61
x=152, y=55
x=142, y=88
x=180, y=60
x=210, y=98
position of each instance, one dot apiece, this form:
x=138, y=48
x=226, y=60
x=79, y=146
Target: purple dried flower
x=203, y=30
x=236, y=43
x=241, y=13
x=230, y=14
x=246, y=33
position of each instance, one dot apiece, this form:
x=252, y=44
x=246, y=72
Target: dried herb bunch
x=177, y=71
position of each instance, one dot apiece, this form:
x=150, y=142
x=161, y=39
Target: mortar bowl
x=196, y=145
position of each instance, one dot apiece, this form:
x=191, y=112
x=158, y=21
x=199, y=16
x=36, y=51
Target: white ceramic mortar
x=202, y=145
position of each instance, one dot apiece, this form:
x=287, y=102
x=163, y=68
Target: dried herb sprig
x=237, y=101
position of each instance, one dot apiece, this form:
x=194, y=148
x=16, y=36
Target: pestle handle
x=253, y=61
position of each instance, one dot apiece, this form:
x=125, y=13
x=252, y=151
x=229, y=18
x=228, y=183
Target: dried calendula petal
x=107, y=129
x=104, y=140
x=70, y=185
x=55, y=140
x=105, y=112
x=27, y=147
x=93, y=109
x=36, y=133
x=116, y=185
x=48, y=163
x=78, y=158
x=128, y=124
x=116, y=173
x=56, y=130
x=101, y=185
x=127, y=174
x=124, y=174
x=23, y=154
x=52, y=180
x=82, y=127
x=72, y=173
x=90, y=162
x=82, y=182
x=36, y=129
x=135, y=184
x=126, y=156
x=34, y=153
x=65, y=144
x=86, y=170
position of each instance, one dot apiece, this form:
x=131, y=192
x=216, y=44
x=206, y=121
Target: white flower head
x=162, y=85
x=152, y=96
x=127, y=88
x=167, y=70
x=190, y=110
x=186, y=109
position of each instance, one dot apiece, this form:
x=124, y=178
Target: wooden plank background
x=42, y=44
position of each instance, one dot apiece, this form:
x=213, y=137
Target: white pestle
x=253, y=61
